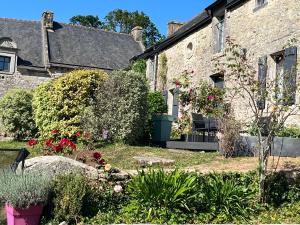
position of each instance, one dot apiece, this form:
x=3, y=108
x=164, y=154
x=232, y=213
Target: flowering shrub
x=57, y=145
x=32, y=142
x=200, y=98
x=60, y=103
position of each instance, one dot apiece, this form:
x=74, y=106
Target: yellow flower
x=107, y=167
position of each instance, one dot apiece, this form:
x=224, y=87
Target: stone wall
x=262, y=31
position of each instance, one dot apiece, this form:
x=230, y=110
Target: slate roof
x=188, y=28
x=28, y=36
x=70, y=45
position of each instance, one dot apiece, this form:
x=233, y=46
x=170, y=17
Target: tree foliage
x=87, y=21
x=122, y=21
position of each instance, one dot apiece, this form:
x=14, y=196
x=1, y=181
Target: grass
x=7, y=157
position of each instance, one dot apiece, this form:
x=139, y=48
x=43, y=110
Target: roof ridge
x=21, y=20
x=93, y=28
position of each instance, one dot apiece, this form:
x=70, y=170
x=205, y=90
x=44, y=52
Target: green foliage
x=279, y=189
x=157, y=103
x=163, y=60
x=157, y=195
x=87, y=21
x=139, y=66
x=23, y=191
x=75, y=198
x=119, y=108
x=209, y=100
x=124, y=21
x=16, y=114
x=226, y=200
x=60, y=103
x=292, y=131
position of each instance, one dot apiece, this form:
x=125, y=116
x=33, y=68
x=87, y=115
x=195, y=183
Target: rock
x=58, y=165
x=119, y=176
x=149, y=161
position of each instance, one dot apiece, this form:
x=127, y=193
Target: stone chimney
x=173, y=26
x=47, y=20
x=137, y=33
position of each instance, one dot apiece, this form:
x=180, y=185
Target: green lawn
x=7, y=157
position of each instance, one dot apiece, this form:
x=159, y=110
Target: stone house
x=262, y=27
x=34, y=51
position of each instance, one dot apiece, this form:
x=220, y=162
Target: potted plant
x=24, y=197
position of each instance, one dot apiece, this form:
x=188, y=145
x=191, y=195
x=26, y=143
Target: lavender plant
x=23, y=191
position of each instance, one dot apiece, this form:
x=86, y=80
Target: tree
x=271, y=100
x=123, y=21
x=87, y=21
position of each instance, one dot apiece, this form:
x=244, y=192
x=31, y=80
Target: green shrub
x=292, y=131
x=227, y=199
x=158, y=196
x=139, y=66
x=16, y=114
x=75, y=198
x=60, y=103
x=120, y=108
x=23, y=191
x=157, y=103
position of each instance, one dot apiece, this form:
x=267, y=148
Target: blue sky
x=160, y=11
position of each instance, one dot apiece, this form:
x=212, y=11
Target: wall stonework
x=262, y=31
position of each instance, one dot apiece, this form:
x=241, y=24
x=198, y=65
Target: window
x=220, y=33
x=218, y=80
x=5, y=63
x=189, y=50
x=286, y=73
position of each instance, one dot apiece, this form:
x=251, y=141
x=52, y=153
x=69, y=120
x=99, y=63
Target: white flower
x=118, y=188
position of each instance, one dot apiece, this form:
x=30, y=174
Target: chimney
x=137, y=33
x=47, y=20
x=173, y=26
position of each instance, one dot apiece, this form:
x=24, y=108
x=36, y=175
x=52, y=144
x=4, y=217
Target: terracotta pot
x=30, y=216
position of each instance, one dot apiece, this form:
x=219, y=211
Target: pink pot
x=30, y=216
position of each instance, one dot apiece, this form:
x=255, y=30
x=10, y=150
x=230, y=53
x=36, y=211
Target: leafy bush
x=157, y=103
x=16, y=114
x=120, y=108
x=23, y=191
x=60, y=103
x=292, y=131
x=158, y=196
x=227, y=198
x=139, y=66
x=75, y=198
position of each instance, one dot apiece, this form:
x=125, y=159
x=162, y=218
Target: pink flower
x=177, y=83
x=78, y=134
x=211, y=97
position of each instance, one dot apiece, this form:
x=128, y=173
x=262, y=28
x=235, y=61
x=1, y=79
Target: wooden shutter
x=290, y=73
x=175, y=103
x=262, y=81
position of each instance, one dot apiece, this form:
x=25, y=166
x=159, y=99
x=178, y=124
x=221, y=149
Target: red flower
x=177, y=83
x=97, y=155
x=48, y=142
x=211, y=97
x=64, y=142
x=101, y=162
x=58, y=148
x=55, y=131
x=32, y=142
x=78, y=134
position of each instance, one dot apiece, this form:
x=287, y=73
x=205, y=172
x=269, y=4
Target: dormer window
x=5, y=63
x=8, y=56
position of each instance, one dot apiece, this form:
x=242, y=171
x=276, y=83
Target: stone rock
x=119, y=176
x=58, y=165
x=150, y=160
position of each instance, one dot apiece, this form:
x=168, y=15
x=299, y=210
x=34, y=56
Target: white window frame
x=13, y=60
x=220, y=34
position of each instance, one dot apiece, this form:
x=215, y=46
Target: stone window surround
x=13, y=60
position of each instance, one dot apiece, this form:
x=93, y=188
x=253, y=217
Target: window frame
x=5, y=64
x=220, y=34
